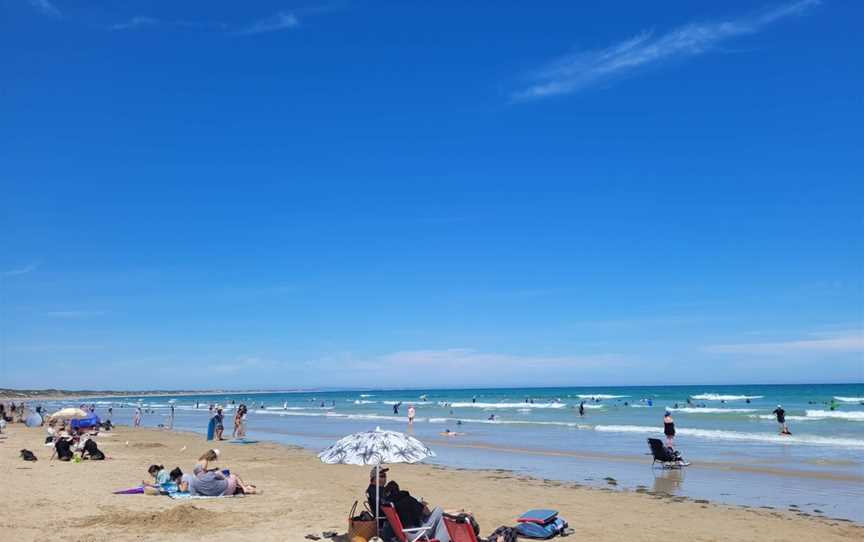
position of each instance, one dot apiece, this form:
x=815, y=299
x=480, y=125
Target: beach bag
x=361, y=526
x=540, y=524
x=542, y=532
x=509, y=534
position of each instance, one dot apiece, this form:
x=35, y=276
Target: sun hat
x=382, y=470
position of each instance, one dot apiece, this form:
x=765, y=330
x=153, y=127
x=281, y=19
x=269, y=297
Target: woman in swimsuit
x=669, y=429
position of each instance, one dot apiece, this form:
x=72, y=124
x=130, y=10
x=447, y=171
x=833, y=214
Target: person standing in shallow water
x=582, y=408
x=669, y=429
x=411, y=413
x=781, y=420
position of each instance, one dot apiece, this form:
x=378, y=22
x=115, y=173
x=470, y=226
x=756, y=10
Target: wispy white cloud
x=135, y=22
x=21, y=270
x=579, y=70
x=45, y=8
x=275, y=23
x=848, y=341
x=245, y=364
x=56, y=348
x=74, y=313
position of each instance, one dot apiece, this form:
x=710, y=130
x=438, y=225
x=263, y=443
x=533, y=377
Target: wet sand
x=303, y=496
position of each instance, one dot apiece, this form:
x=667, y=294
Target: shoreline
x=303, y=496
x=636, y=459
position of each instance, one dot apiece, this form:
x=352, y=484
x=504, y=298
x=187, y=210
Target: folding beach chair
x=415, y=534
x=459, y=529
x=663, y=455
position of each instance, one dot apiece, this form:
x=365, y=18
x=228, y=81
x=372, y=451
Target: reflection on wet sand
x=668, y=481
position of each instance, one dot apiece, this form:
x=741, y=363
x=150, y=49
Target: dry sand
x=45, y=500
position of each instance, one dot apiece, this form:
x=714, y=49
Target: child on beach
x=160, y=476
x=411, y=412
x=204, y=462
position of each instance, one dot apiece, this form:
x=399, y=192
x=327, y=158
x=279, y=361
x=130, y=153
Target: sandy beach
x=303, y=496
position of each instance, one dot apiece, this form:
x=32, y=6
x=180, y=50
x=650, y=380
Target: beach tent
x=69, y=414
x=92, y=420
x=376, y=448
x=33, y=420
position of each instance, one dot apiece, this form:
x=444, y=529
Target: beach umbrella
x=70, y=414
x=376, y=448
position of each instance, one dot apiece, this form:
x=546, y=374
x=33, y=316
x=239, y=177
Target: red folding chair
x=459, y=529
x=414, y=534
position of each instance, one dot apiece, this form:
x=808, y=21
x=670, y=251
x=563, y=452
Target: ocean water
x=727, y=432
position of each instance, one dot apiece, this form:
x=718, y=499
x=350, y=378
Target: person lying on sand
x=159, y=474
x=212, y=484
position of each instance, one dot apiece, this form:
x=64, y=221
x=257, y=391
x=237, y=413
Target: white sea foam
x=292, y=413
x=507, y=405
x=718, y=397
x=707, y=410
x=364, y=402
x=594, y=407
x=856, y=415
x=790, y=418
x=601, y=396
x=713, y=434
x=367, y=395
x=850, y=399
x=378, y=417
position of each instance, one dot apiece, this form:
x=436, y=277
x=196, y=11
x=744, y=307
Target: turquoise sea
x=727, y=432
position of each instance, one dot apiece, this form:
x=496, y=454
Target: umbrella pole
x=377, y=499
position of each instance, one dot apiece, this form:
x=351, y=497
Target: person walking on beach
x=219, y=418
x=136, y=420
x=411, y=413
x=781, y=420
x=236, y=422
x=171, y=419
x=669, y=429
x=110, y=413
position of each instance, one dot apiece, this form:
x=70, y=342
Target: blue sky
x=204, y=194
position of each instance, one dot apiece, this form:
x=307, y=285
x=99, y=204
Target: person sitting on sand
x=413, y=513
x=377, y=482
x=205, y=462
